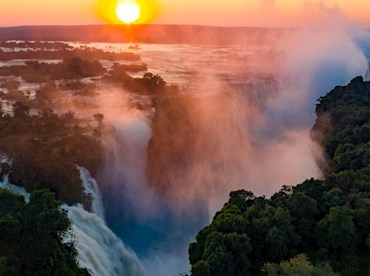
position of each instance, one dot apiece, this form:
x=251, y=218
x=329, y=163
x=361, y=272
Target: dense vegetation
x=62, y=51
x=326, y=220
x=44, y=149
x=298, y=265
x=148, y=84
x=37, y=45
x=69, y=68
x=31, y=236
x=344, y=122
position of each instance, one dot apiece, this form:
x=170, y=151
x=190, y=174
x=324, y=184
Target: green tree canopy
x=32, y=236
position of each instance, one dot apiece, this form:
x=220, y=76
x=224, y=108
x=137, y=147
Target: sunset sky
x=276, y=13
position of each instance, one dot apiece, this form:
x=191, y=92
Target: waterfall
x=100, y=251
x=91, y=188
x=16, y=189
x=367, y=75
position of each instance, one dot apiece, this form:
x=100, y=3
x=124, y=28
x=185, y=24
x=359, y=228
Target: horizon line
x=144, y=24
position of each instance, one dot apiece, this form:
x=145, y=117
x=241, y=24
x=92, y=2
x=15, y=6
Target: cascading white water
x=16, y=189
x=91, y=188
x=144, y=217
x=100, y=251
x=367, y=75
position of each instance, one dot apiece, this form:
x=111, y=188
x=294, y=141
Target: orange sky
x=278, y=13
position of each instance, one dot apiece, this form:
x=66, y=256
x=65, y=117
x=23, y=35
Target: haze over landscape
x=158, y=137
x=261, y=13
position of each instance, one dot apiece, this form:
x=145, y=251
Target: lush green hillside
x=44, y=149
x=31, y=236
x=327, y=220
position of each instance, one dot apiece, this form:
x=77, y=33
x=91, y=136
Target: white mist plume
x=241, y=136
x=125, y=161
x=263, y=140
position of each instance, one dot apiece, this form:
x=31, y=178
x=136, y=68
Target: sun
x=128, y=11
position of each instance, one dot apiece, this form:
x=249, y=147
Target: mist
x=169, y=169
x=241, y=120
x=236, y=112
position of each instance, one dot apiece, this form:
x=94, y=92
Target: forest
x=318, y=227
x=61, y=143
x=34, y=236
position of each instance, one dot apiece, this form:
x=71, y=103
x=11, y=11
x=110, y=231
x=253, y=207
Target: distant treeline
x=65, y=52
x=44, y=45
x=171, y=34
x=319, y=227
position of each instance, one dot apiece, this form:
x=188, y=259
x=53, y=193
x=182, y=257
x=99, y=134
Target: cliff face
x=193, y=138
x=201, y=143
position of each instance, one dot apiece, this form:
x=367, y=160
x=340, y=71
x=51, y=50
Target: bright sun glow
x=128, y=11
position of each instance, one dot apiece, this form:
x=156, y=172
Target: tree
x=328, y=220
x=224, y=254
x=154, y=82
x=99, y=118
x=32, y=235
x=336, y=232
x=299, y=265
x=21, y=110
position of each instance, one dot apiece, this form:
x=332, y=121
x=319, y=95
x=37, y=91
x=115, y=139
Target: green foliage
x=59, y=51
x=347, y=137
x=68, y=69
x=336, y=226
x=148, y=84
x=224, y=254
x=299, y=265
x=31, y=236
x=327, y=220
x=45, y=149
